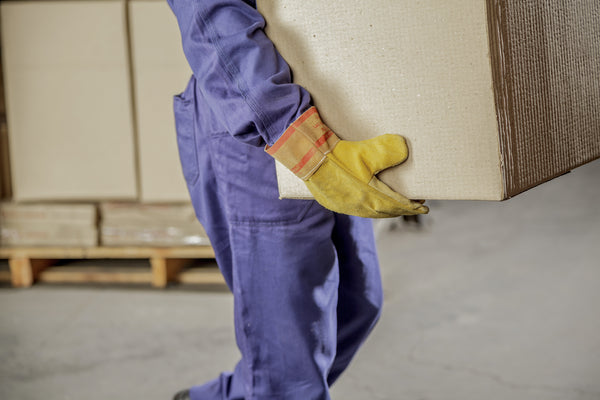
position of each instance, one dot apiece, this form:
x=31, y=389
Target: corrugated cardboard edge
x=547, y=88
x=5, y=177
x=498, y=42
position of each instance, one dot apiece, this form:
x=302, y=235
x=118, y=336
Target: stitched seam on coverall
x=281, y=223
x=235, y=76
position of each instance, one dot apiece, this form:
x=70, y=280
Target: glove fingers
x=396, y=203
x=370, y=200
x=384, y=151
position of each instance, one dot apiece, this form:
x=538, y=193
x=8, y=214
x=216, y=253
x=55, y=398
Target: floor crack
x=581, y=393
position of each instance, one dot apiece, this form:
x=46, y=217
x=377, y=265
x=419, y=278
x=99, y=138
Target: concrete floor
x=494, y=301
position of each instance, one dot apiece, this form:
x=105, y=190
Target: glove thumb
x=369, y=157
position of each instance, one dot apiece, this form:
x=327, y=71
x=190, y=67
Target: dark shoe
x=182, y=395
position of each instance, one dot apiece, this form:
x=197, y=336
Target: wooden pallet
x=31, y=264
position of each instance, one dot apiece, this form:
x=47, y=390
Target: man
x=305, y=279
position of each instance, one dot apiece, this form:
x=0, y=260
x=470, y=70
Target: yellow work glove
x=341, y=174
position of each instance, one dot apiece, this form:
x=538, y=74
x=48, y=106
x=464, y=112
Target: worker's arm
x=248, y=86
x=244, y=79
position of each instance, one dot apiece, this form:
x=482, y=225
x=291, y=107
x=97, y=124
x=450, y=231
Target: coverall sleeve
x=238, y=70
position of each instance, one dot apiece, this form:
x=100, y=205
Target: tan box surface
x=160, y=71
x=48, y=225
x=68, y=100
x=153, y=235
x=40, y=234
x=493, y=97
x=132, y=213
x=132, y=224
x=82, y=214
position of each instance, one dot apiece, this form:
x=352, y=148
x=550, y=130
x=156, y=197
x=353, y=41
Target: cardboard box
x=494, y=97
x=40, y=234
x=131, y=213
x=80, y=214
x=160, y=71
x=48, y=225
x=153, y=235
x=133, y=224
x=68, y=98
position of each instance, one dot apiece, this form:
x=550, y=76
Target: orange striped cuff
x=304, y=145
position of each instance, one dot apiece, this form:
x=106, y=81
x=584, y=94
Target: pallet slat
x=30, y=264
x=89, y=274
x=108, y=252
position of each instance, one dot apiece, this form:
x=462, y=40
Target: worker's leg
x=359, y=301
x=284, y=275
x=360, y=294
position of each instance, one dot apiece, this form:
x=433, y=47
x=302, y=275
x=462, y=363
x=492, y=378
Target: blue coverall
x=305, y=280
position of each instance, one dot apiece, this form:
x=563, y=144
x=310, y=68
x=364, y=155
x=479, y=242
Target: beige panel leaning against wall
x=68, y=100
x=160, y=71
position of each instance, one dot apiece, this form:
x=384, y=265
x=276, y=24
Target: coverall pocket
x=249, y=185
x=186, y=137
